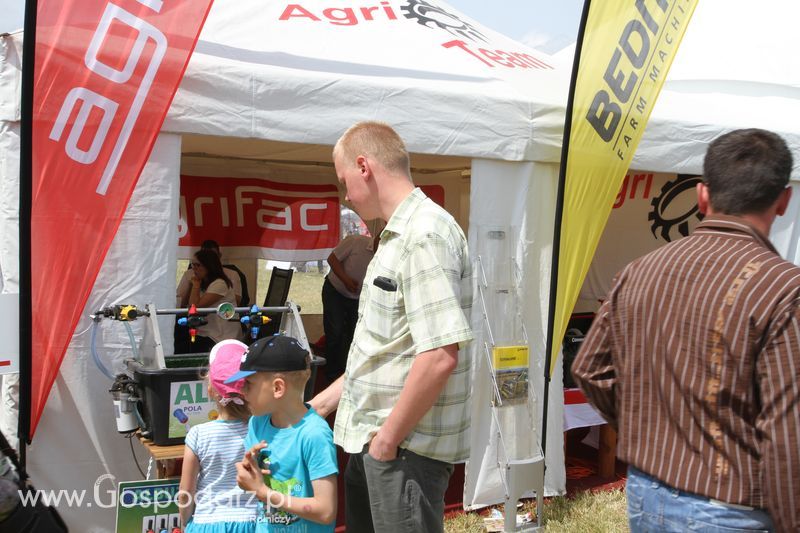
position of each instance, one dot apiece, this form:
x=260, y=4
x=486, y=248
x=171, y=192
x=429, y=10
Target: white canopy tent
x=265, y=95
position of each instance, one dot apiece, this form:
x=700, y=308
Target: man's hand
x=351, y=284
x=382, y=450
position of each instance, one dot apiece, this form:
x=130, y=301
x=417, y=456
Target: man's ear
x=364, y=168
x=703, y=201
x=783, y=201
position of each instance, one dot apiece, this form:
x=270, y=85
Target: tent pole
x=562, y=174
x=25, y=203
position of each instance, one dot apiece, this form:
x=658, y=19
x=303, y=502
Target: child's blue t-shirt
x=298, y=455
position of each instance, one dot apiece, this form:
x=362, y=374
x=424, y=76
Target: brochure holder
x=520, y=460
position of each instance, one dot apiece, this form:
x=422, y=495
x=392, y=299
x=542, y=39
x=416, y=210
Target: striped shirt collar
x=734, y=224
x=402, y=214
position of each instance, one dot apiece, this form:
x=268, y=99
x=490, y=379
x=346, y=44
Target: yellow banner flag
x=627, y=49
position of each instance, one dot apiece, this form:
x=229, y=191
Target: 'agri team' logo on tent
x=464, y=38
x=665, y=215
x=431, y=16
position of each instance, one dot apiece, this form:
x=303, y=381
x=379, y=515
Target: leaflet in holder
x=511, y=372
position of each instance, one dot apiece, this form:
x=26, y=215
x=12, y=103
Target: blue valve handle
x=255, y=319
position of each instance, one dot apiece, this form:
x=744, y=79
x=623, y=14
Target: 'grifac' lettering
x=340, y=16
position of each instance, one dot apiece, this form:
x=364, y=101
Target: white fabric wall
x=521, y=195
x=9, y=262
x=77, y=441
x=785, y=234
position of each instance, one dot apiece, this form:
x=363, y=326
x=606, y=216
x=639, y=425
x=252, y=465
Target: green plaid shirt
x=423, y=250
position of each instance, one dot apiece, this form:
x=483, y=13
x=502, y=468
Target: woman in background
x=211, y=287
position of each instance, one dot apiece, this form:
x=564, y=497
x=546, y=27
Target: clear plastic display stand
x=520, y=460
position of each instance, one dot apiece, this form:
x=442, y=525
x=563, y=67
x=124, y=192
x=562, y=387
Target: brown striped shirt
x=694, y=357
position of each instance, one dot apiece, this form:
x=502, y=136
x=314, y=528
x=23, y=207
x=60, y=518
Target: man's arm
x=327, y=401
x=338, y=269
x=778, y=423
x=593, y=368
x=426, y=380
x=431, y=284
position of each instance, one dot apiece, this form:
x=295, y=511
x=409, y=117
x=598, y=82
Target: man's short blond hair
x=376, y=140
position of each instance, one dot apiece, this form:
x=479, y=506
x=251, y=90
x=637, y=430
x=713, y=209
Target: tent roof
x=307, y=77
x=303, y=72
x=736, y=68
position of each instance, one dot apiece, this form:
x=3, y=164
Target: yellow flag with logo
x=627, y=49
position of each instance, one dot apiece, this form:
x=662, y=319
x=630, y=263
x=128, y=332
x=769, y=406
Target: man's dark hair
x=210, y=244
x=746, y=170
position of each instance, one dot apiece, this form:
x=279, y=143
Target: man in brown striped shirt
x=694, y=357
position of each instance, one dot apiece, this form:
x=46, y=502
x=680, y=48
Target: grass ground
x=305, y=290
x=587, y=512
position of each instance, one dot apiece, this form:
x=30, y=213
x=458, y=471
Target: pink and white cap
x=223, y=362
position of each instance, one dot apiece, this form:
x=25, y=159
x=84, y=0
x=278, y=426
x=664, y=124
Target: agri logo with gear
x=462, y=38
x=433, y=16
x=669, y=214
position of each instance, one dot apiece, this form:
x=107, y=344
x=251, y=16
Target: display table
x=168, y=459
x=579, y=413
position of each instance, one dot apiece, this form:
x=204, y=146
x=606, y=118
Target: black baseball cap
x=277, y=353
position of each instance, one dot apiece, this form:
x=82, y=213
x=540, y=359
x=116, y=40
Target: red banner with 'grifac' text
x=259, y=218
x=105, y=75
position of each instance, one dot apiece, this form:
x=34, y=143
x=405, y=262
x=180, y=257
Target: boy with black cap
x=287, y=440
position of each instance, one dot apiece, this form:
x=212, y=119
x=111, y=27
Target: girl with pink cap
x=210, y=500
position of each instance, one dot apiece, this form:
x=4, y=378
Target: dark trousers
x=339, y=316
x=405, y=494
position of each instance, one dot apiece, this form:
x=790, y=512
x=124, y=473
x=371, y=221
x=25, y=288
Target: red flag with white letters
x=105, y=75
x=259, y=217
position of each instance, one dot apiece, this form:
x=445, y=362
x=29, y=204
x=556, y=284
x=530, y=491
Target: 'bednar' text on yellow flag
x=628, y=47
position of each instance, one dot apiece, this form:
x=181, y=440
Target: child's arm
x=188, y=485
x=249, y=476
x=321, y=508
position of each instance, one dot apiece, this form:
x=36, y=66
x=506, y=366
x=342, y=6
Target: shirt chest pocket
x=384, y=313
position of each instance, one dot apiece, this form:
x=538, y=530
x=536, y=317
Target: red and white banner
x=650, y=210
x=259, y=218
x=105, y=75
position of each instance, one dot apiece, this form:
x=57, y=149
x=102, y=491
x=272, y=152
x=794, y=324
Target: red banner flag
x=105, y=75
x=260, y=218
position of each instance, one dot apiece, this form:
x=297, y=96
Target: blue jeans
x=655, y=506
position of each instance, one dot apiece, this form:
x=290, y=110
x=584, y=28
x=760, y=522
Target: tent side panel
x=520, y=196
x=78, y=421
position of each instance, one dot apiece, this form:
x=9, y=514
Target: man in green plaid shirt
x=403, y=410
